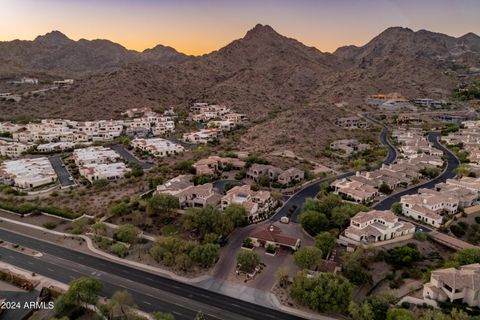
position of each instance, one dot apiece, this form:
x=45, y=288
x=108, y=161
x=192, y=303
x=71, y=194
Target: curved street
x=311, y=190
x=449, y=172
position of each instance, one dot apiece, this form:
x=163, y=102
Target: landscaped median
x=26, y=208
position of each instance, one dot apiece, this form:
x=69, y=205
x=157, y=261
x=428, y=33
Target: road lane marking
x=50, y=270
x=147, y=303
x=178, y=313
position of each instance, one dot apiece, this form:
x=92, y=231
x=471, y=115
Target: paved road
x=452, y=164
x=136, y=280
x=310, y=191
x=63, y=174
x=125, y=154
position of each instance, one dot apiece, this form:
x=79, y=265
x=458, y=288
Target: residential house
x=355, y=190
x=198, y=196
x=103, y=171
x=213, y=165
x=290, y=176
x=13, y=149
x=55, y=146
x=94, y=155
x=347, y=147
x=255, y=203
x=272, y=235
x=256, y=171
x=375, y=226
x=469, y=183
x=202, y=136
x=176, y=185
x=460, y=285
x=351, y=122
x=428, y=207
x=27, y=173
x=157, y=146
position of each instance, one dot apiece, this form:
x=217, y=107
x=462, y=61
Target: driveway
x=452, y=164
x=125, y=154
x=64, y=176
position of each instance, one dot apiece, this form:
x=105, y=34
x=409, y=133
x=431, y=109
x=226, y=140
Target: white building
x=28, y=173
x=455, y=285
x=25, y=80
x=428, y=207
x=104, y=171
x=254, y=202
x=374, y=226
x=94, y=155
x=157, y=146
x=55, y=146
x=469, y=183
x=202, y=136
x=13, y=149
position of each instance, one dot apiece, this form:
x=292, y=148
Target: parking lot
x=64, y=176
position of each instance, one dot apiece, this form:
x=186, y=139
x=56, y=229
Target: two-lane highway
x=135, y=280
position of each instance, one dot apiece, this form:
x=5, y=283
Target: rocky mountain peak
x=54, y=38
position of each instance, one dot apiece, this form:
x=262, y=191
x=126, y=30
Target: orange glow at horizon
x=200, y=26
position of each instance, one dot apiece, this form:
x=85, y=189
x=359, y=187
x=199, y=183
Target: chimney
x=271, y=228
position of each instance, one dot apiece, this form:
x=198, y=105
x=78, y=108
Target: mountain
x=54, y=52
x=288, y=89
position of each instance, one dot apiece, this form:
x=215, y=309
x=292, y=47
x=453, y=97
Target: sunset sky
x=201, y=26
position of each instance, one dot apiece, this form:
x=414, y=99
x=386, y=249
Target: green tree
x=324, y=292
x=355, y=267
x=264, y=180
x=119, y=209
x=229, y=185
x=210, y=220
x=463, y=170
x=205, y=255
x=82, y=292
x=307, y=257
x=99, y=228
x=162, y=316
x=237, y=214
x=282, y=276
x=324, y=205
x=162, y=204
x=120, y=304
x=465, y=256
x=380, y=304
x=360, y=311
x=359, y=164
x=247, y=261
x=313, y=222
x=202, y=179
x=199, y=316
x=126, y=233
x=400, y=314
x=136, y=170
x=185, y=166
x=403, y=256
x=341, y=214
x=385, y=189
x=325, y=241
x=119, y=249
x=397, y=208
